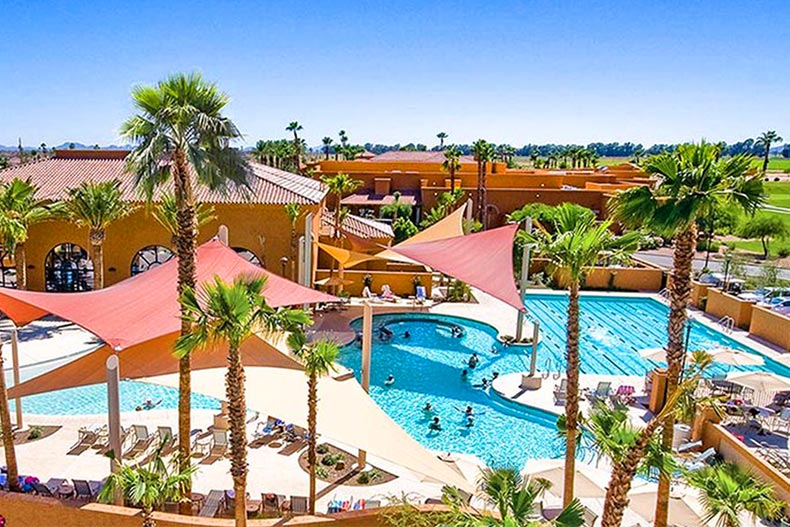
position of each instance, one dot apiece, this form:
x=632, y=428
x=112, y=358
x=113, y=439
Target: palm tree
x=442, y=136
x=483, y=152
x=232, y=313
x=148, y=487
x=294, y=127
x=318, y=360
x=340, y=185
x=572, y=249
x=765, y=141
x=692, y=183
x=294, y=211
x=96, y=206
x=452, y=163
x=728, y=490
x=343, y=137
x=19, y=210
x=166, y=214
x=327, y=141
x=513, y=498
x=180, y=132
x=12, y=470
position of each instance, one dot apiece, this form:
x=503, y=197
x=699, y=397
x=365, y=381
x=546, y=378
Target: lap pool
x=427, y=368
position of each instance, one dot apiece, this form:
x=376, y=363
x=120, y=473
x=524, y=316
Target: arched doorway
x=248, y=255
x=68, y=268
x=149, y=257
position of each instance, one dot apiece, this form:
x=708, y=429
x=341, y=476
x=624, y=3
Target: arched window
x=68, y=268
x=248, y=255
x=150, y=257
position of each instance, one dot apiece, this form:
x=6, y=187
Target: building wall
x=262, y=229
x=770, y=326
x=721, y=304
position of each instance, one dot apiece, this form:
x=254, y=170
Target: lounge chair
x=372, y=504
x=685, y=447
x=141, y=440
x=624, y=395
x=211, y=504
x=601, y=392
x=167, y=439
x=561, y=392
x=43, y=490
x=270, y=505
x=589, y=517
x=86, y=437
x=298, y=505
x=699, y=461
x=82, y=489
x=214, y=448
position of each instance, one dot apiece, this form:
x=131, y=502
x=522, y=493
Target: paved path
x=665, y=260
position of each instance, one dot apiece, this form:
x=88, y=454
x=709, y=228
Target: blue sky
x=507, y=71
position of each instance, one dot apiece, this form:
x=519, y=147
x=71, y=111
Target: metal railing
x=727, y=323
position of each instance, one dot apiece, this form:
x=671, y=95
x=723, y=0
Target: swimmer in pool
x=465, y=375
x=428, y=407
x=406, y=335
x=390, y=380
x=474, y=360
x=435, y=424
x=470, y=421
x=494, y=376
x=469, y=410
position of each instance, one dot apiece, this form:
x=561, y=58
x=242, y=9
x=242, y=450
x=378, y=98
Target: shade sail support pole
x=367, y=347
x=523, y=279
x=114, y=419
x=533, y=362
x=15, y=360
x=308, y=250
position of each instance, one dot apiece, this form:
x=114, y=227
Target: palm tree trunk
x=234, y=388
x=148, y=518
x=452, y=176
x=294, y=251
x=186, y=247
x=98, y=266
x=572, y=396
x=8, y=433
x=623, y=474
x=765, y=159
x=312, y=410
x=680, y=291
x=20, y=261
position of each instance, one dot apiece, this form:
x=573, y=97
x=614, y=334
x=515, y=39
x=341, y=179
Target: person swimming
x=470, y=421
x=435, y=424
x=428, y=407
x=494, y=376
x=406, y=335
x=390, y=380
x=469, y=410
x=474, y=360
x=465, y=374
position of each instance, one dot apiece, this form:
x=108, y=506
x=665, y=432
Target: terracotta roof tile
x=269, y=186
x=357, y=225
x=416, y=157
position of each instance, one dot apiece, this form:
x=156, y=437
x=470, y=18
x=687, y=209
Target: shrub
x=332, y=459
x=459, y=292
x=702, y=245
x=363, y=478
x=35, y=432
x=783, y=252
x=321, y=473
x=323, y=448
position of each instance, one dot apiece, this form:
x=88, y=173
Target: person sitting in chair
x=387, y=294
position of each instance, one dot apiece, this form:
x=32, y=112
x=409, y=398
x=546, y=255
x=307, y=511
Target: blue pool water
x=93, y=399
x=615, y=328
x=427, y=368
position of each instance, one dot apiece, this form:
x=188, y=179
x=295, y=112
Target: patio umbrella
x=643, y=503
x=760, y=381
x=587, y=485
x=656, y=354
x=735, y=357
x=333, y=280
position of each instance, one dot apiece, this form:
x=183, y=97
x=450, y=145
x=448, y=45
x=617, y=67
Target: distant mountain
x=65, y=146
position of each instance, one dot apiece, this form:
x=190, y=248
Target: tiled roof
x=416, y=157
x=367, y=197
x=269, y=186
x=357, y=225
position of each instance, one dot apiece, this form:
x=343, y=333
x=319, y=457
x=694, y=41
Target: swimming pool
x=614, y=329
x=427, y=368
x=92, y=399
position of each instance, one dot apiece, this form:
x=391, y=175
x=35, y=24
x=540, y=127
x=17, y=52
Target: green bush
x=321, y=473
x=702, y=245
x=332, y=459
x=783, y=252
x=35, y=432
x=363, y=478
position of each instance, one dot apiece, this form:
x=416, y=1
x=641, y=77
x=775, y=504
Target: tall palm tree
x=230, y=314
x=12, y=470
x=295, y=127
x=148, y=486
x=339, y=185
x=19, y=210
x=452, y=163
x=442, y=136
x=96, y=206
x=343, y=138
x=692, y=183
x=484, y=152
x=294, y=211
x=165, y=212
x=572, y=249
x=765, y=141
x=318, y=360
x=327, y=142
x=727, y=490
x=514, y=499
x=180, y=132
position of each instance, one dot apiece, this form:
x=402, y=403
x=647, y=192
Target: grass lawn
x=756, y=247
x=778, y=193
x=774, y=163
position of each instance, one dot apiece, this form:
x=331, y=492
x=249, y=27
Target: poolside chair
x=561, y=392
x=215, y=448
x=699, y=461
x=86, y=437
x=82, y=489
x=211, y=504
x=685, y=447
x=372, y=504
x=298, y=505
x=43, y=490
x=141, y=440
x=601, y=392
x=624, y=395
x=167, y=439
x=589, y=517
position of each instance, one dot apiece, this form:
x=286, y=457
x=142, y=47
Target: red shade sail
x=483, y=260
x=145, y=306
